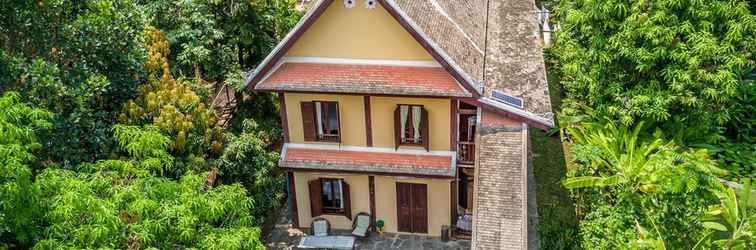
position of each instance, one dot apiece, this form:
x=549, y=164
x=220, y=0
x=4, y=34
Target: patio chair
x=321, y=238
x=361, y=224
x=320, y=227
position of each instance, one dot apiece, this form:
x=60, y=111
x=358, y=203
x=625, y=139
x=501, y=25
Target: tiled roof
x=361, y=78
x=366, y=161
x=504, y=32
x=500, y=184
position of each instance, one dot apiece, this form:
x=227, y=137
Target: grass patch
x=557, y=224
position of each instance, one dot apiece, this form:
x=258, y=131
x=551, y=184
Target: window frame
x=324, y=137
x=410, y=128
x=329, y=209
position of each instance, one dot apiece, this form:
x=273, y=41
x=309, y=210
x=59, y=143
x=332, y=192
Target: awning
x=421, y=164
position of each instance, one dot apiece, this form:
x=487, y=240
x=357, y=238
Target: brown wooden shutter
x=397, y=127
x=308, y=121
x=424, y=130
x=316, y=206
x=347, y=200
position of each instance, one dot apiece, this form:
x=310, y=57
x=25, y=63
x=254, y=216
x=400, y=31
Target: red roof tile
x=367, y=161
x=359, y=78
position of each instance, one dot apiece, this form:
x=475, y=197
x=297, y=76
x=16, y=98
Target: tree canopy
x=665, y=60
x=658, y=111
x=108, y=136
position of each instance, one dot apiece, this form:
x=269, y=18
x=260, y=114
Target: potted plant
x=379, y=225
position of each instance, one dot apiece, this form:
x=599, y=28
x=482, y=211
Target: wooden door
x=419, y=208
x=404, y=206
x=412, y=207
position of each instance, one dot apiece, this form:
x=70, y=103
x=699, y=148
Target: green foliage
x=78, y=59
x=632, y=180
x=732, y=223
x=123, y=204
x=19, y=125
x=112, y=209
x=221, y=36
x=737, y=151
x=660, y=60
x=172, y=106
x=247, y=160
x=678, y=66
x=146, y=146
x=74, y=177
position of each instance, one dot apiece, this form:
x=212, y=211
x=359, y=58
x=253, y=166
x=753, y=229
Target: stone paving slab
x=285, y=237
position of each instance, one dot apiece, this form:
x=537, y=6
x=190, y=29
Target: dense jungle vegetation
x=108, y=138
x=658, y=122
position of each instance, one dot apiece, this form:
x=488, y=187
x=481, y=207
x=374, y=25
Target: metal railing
x=466, y=152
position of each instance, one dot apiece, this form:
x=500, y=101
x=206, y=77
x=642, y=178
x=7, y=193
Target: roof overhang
x=348, y=77
x=368, y=160
x=512, y=112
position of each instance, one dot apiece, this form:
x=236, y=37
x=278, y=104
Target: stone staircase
x=225, y=104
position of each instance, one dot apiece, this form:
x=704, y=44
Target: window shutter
x=397, y=127
x=316, y=208
x=347, y=201
x=308, y=121
x=338, y=122
x=424, y=130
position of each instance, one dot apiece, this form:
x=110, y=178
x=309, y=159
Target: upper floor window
x=321, y=121
x=411, y=125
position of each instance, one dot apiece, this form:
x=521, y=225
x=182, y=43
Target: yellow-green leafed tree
x=171, y=105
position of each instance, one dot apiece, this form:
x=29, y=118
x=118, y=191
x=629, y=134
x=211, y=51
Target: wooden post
x=371, y=187
x=293, y=199
x=368, y=126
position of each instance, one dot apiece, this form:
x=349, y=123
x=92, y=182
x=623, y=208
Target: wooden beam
x=453, y=205
x=454, y=125
x=284, y=118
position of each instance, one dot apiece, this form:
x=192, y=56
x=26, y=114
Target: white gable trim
x=329, y=60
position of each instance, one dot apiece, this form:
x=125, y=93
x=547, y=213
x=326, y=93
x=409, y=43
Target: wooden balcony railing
x=466, y=152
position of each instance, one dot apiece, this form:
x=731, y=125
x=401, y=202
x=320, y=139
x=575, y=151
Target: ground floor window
x=329, y=196
x=332, y=195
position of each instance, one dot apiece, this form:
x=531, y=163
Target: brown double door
x=412, y=207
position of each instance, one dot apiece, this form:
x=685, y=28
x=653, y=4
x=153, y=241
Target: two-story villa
x=414, y=111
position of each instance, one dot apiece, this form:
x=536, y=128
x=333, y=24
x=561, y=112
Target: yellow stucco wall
x=359, y=195
x=439, y=213
x=439, y=119
x=351, y=116
x=358, y=33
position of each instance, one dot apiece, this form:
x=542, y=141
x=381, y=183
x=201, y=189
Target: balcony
x=466, y=153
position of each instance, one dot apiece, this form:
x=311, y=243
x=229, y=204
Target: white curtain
x=404, y=111
x=417, y=113
x=318, y=118
x=340, y=193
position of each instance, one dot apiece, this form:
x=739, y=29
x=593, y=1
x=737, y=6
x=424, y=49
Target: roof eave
x=528, y=117
x=322, y=91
